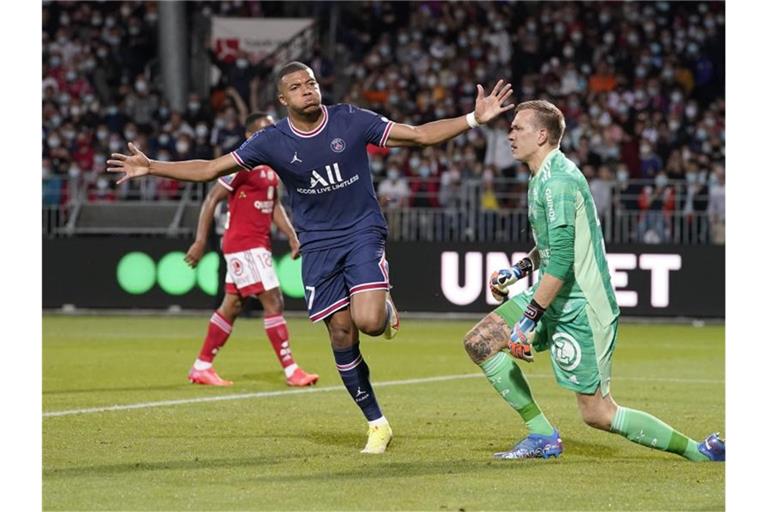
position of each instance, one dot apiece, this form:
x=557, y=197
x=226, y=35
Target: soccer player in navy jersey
x=319, y=152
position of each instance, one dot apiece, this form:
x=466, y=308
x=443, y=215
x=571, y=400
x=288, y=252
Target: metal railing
x=55, y=218
x=463, y=216
x=511, y=226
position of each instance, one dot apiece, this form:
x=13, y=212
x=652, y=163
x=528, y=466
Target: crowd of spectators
x=100, y=90
x=641, y=86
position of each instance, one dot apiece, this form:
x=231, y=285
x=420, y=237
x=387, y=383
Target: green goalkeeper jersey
x=567, y=233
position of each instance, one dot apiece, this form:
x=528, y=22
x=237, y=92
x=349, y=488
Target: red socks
x=277, y=332
x=219, y=330
x=218, y=333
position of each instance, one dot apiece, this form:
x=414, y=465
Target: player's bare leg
x=277, y=332
x=485, y=344
x=219, y=329
x=354, y=372
x=487, y=338
x=374, y=313
x=603, y=413
x=596, y=410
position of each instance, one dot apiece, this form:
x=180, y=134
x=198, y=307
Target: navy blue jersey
x=325, y=172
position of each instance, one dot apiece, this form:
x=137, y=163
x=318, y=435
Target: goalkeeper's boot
x=301, y=378
x=393, y=318
x=713, y=447
x=535, y=446
x=379, y=437
x=208, y=377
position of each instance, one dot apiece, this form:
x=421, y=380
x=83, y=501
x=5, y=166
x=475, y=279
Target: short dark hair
x=548, y=116
x=253, y=117
x=289, y=68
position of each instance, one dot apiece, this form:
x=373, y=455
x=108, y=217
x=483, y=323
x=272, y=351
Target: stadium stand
x=641, y=85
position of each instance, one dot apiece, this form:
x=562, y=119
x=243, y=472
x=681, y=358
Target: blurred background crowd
x=642, y=86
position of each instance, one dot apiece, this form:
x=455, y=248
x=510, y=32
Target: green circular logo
x=289, y=274
x=174, y=275
x=136, y=273
x=208, y=273
x=566, y=351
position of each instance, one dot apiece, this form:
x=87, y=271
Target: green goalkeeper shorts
x=580, y=348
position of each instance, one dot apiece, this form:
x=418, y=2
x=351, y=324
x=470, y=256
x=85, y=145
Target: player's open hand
x=490, y=106
x=294, y=243
x=195, y=253
x=134, y=165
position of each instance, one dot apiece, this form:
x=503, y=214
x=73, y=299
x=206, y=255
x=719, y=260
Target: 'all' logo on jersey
x=333, y=175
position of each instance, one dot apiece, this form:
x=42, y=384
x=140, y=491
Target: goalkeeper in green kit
x=572, y=309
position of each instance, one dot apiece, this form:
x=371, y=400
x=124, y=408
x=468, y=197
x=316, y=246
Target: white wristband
x=472, y=120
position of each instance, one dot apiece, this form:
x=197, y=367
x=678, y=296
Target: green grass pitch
x=290, y=450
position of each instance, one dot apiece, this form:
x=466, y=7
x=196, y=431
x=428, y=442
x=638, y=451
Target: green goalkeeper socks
x=642, y=428
x=507, y=378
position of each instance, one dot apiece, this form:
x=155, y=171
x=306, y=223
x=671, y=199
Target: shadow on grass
x=365, y=467
x=136, y=467
x=357, y=466
x=572, y=446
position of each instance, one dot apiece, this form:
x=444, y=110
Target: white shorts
x=250, y=272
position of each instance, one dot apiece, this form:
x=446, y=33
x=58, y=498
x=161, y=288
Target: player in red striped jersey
x=253, y=206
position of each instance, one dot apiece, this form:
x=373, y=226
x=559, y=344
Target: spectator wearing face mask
x=140, y=103
x=163, y=142
x=75, y=85
x=228, y=133
x=601, y=187
x=650, y=163
x=651, y=226
x=240, y=74
x=166, y=189
x=393, y=190
x=177, y=125
x=424, y=186
x=102, y=190
x=202, y=147
x=197, y=111
x=84, y=153
x=497, y=151
x=184, y=148
x=450, y=195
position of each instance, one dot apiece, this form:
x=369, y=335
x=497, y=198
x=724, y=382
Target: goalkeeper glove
x=520, y=338
x=502, y=279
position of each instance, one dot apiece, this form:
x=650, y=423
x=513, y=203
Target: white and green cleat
x=379, y=437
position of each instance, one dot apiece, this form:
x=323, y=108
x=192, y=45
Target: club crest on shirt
x=338, y=145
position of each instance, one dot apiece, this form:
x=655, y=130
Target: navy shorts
x=331, y=276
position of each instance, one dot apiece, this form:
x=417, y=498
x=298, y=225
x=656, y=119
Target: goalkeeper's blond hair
x=548, y=116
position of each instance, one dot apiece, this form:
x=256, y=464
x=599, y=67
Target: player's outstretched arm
x=217, y=194
x=487, y=108
x=283, y=223
x=137, y=164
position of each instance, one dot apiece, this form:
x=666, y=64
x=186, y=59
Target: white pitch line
x=266, y=394
x=243, y=396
